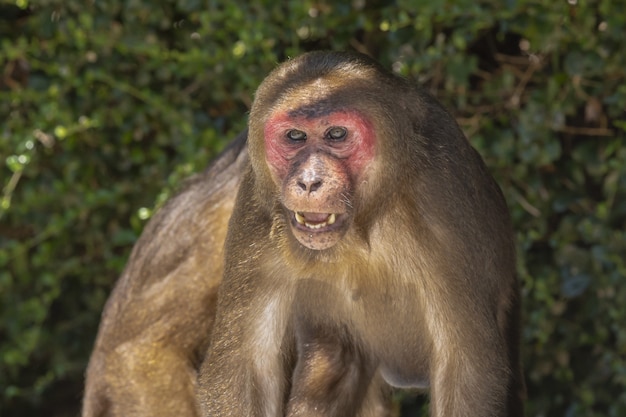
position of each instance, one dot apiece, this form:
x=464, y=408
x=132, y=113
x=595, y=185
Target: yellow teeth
x=331, y=219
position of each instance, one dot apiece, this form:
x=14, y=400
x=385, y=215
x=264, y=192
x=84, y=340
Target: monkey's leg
x=142, y=380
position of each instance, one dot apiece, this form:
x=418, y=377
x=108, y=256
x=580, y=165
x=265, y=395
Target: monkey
x=156, y=323
x=341, y=306
x=368, y=248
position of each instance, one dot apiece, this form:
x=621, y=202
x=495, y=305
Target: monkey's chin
x=317, y=231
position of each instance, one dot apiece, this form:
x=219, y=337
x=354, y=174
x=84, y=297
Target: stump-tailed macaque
x=368, y=247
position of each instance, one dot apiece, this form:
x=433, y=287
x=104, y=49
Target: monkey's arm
x=243, y=373
x=332, y=378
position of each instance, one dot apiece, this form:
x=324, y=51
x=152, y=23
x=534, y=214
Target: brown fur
x=156, y=324
x=420, y=291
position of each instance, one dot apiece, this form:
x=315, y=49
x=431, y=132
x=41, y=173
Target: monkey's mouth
x=314, y=222
x=318, y=231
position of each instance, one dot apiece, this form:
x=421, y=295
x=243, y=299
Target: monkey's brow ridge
x=314, y=110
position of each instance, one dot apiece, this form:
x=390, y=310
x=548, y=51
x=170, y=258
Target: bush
x=106, y=106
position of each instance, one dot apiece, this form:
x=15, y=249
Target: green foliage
x=106, y=106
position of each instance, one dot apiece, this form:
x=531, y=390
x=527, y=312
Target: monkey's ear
x=434, y=121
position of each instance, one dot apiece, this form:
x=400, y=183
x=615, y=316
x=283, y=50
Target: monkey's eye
x=336, y=133
x=296, y=135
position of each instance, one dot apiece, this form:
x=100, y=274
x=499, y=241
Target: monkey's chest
x=383, y=323
x=395, y=329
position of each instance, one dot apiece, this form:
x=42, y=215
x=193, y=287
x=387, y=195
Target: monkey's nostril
x=310, y=186
x=315, y=186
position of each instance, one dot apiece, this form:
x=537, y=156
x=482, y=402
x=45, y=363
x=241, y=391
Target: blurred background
x=105, y=106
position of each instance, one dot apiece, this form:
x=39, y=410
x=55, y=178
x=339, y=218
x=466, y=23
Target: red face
x=317, y=161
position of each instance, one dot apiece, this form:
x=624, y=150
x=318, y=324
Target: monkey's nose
x=309, y=185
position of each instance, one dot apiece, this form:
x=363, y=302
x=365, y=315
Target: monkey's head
x=316, y=127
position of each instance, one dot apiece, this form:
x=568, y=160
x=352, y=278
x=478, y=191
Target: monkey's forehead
x=320, y=90
x=316, y=102
x=313, y=109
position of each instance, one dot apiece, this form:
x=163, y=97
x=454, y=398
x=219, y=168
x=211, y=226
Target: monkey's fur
x=155, y=326
x=413, y=286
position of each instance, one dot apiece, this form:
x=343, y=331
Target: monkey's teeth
x=299, y=218
x=331, y=219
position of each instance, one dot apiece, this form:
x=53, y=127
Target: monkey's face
x=316, y=161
